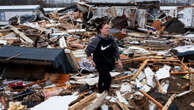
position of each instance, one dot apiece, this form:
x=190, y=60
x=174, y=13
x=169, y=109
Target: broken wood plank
x=177, y=73
x=169, y=102
x=140, y=69
x=159, y=86
x=122, y=105
x=22, y=35
x=152, y=99
x=81, y=102
x=37, y=26
x=97, y=102
x=123, y=77
x=159, y=60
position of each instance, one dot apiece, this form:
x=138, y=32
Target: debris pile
x=155, y=50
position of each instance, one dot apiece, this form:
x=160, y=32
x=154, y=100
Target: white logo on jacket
x=104, y=48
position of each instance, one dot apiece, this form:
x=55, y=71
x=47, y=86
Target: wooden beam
x=83, y=101
x=140, y=69
x=177, y=73
x=153, y=58
x=152, y=99
x=123, y=77
x=22, y=35
x=169, y=102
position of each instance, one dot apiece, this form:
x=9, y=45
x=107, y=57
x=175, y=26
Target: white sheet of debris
x=91, y=79
x=165, y=85
x=113, y=74
x=4, y=42
x=185, y=48
x=150, y=77
x=126, y=87
x=141, y=76
x=163, y=72
x=136, y=49
x=55, y=103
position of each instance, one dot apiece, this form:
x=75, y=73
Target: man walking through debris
x=105, y=54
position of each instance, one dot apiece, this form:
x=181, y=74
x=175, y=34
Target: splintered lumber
x=96, y=103
x=122, y=105
x=136, y=74
x=140, y=69
x=36, y=26
x=169, y=102
x=83, y=101
x=159, y=86
x=152, y=99
x=177, y=73
x=22, y=35
x=123, y=77
x=160, y=59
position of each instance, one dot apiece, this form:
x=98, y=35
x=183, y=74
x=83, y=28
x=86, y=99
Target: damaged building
x=43, y=64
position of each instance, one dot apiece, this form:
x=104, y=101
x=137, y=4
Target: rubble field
x=43, y=65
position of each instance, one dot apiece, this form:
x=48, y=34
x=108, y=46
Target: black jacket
x=104, y=50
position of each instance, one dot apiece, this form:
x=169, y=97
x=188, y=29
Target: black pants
x=104, y=81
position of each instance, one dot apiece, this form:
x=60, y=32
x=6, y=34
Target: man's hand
x=120, y=64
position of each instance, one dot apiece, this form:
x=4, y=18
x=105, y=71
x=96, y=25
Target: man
x=105, y=54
